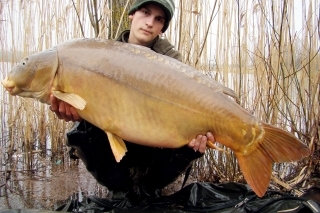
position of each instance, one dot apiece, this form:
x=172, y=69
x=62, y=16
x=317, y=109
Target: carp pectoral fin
x=118, y=146
x=277, y=146
x=73, y=99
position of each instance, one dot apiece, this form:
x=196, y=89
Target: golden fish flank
x=163, y=107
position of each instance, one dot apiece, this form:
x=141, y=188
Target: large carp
x=135, y=94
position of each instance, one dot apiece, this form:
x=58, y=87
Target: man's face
x=147, y=23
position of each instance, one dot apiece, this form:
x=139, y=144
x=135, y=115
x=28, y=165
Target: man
x=143, y=170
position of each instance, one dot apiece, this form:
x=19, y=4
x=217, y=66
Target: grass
x=254, y=48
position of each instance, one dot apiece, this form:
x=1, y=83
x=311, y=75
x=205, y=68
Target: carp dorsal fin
x=73, y=99
x=118, y=146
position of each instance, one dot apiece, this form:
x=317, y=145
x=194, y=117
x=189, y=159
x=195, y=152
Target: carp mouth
x=14, y=90
x=9, y=85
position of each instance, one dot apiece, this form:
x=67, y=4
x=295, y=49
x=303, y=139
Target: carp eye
x=24, y=61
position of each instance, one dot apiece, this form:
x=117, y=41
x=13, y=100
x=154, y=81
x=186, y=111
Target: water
x=49, y=190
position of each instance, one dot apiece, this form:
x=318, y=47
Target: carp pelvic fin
x=73, y=99
x=118, y=146
x=211, y=145
x=277, y=146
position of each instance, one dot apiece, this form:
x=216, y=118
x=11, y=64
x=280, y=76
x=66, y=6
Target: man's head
x=166, y=5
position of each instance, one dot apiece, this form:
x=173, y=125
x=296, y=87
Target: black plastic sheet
x=196, y=197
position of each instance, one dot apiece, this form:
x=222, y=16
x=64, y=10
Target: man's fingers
x=203, y=144
x=192, y=142
x=197, y=143
x=54, y=107
x=74, y=114
x=200, y=142
x=63, y=110
x=210, y=137
x=54, y=104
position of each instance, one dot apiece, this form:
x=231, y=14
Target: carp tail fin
x=283, y=146
x=73, y=99
x=256, y=168
x=118, y=146
x=277, y=146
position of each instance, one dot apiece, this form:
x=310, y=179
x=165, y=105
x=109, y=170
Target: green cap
x=167, y=6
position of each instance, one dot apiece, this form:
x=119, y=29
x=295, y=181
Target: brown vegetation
x=257, y=49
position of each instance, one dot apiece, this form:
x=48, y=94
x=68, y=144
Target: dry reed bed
x=253, y=48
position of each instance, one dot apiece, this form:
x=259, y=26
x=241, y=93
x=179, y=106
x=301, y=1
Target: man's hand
x=200, y=142
x=63, y=110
